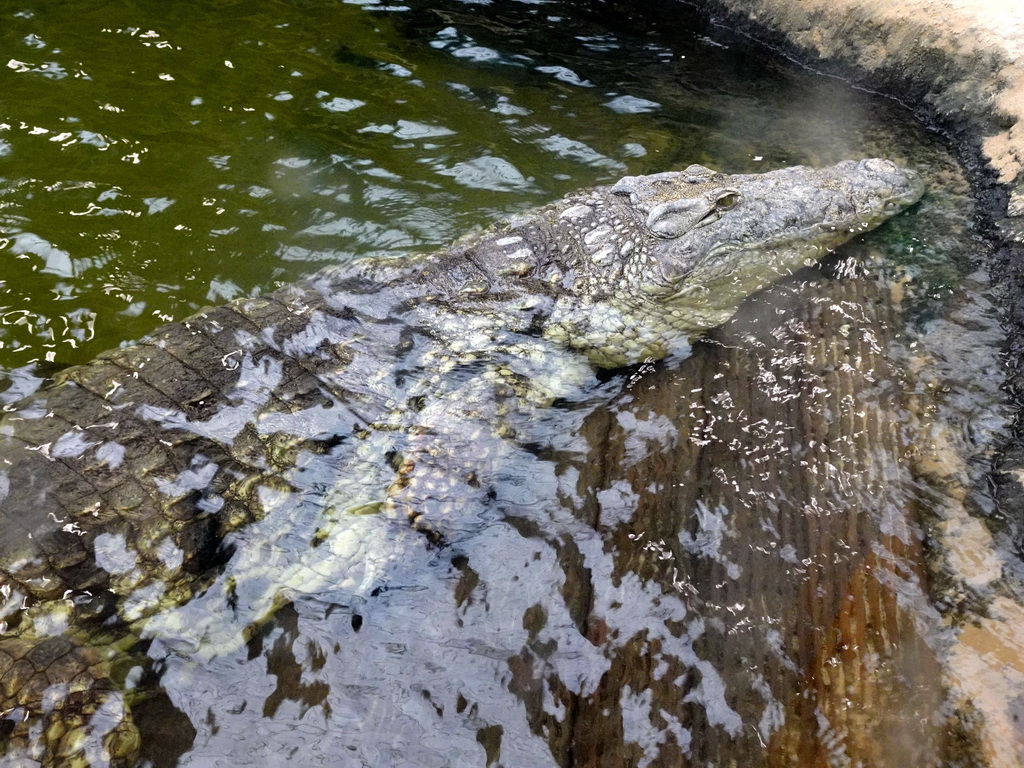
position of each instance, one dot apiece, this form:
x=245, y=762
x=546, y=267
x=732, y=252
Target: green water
x=158, y=157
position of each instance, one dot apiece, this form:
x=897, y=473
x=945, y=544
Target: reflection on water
x=759, y=555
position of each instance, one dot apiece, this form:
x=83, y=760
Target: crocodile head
x=659, y=259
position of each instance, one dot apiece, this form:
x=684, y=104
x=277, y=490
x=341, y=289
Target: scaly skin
x=389, y=387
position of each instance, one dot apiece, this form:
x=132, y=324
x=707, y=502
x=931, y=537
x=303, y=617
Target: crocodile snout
x=894, y=185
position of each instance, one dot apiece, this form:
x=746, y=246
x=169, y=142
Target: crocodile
x=385, y=389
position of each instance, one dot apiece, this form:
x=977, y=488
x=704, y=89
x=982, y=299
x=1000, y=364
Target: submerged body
x=391, y=388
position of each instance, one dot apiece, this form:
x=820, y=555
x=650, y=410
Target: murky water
x=664, y=581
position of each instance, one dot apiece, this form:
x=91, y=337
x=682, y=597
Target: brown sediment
x=960, y=65
x=811, y=607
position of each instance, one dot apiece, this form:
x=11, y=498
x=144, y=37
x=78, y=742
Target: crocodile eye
x=727, y=200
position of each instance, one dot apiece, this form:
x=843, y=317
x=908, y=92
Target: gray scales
x=396, y=390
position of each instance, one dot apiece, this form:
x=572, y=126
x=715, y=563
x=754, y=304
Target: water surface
x=158, y=157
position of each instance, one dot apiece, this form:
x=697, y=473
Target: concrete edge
x=960, y=70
